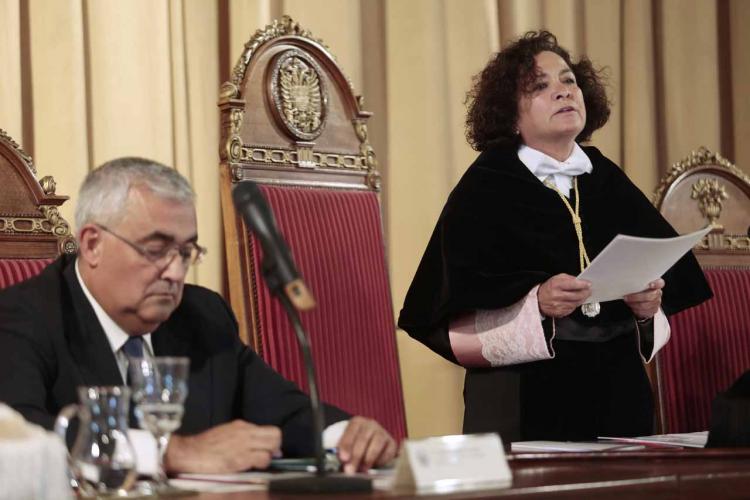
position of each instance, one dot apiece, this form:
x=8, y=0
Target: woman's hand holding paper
x=646, y=303
x=561, y=294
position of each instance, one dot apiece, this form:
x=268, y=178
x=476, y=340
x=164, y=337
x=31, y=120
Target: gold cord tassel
x=591, y=309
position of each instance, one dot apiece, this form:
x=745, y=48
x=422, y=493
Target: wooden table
x=684, y=474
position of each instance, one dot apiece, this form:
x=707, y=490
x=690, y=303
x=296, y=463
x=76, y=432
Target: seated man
x=68, y=326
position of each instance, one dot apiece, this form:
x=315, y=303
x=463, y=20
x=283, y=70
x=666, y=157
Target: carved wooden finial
x=48, y=184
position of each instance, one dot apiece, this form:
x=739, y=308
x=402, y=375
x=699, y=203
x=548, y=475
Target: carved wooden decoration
x=706, y=189
x=299, y=94
x=288, y=78
x=30, y=223
x=709, y=193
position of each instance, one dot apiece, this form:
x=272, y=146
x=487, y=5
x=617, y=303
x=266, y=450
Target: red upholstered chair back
x=710, y=344
x=32, y=232
x=291, y=123
x=14, y=271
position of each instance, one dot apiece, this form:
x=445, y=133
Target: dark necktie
x=133, y=348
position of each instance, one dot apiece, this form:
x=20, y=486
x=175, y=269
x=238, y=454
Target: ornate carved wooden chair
x=710, y=343
x=32, y=232
x=291, y=123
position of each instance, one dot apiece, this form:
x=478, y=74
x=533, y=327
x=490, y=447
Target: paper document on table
x=685, y=439
x=568, y=446
x=224, y=483
x=629, y=263
x=382, y=479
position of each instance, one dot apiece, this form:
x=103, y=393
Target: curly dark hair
x=493, y=99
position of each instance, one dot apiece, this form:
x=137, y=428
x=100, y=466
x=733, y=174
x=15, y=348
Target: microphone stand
x=322, y=481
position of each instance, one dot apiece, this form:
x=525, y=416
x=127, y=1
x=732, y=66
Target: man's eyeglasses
x=189, y=253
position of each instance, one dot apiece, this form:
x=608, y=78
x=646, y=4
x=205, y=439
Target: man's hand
x=561, y=294
x=646, y=303
x=364, y=444
x=231, y=447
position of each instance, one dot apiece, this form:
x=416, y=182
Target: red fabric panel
x=13, y=271
x=336, y=239
x=709, y=348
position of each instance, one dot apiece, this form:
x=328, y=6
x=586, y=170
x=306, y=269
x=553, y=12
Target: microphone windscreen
x=246, y=192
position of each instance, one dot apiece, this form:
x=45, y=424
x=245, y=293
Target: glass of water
x=160, y=386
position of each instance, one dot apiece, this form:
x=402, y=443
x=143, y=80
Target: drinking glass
x=159, y=386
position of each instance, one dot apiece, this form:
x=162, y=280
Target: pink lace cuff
x=500, y=337
x=662, y=332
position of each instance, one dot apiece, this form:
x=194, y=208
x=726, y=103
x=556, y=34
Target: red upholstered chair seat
x=708, y=350
x=335, y=237
x=14, y=271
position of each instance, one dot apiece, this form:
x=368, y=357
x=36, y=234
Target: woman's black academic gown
x=501, y=233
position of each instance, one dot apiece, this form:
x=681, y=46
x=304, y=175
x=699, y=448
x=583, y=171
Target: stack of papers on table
x=222, y=483
x=569, y=446
x=686, y=440
x=258, y=480
x=608, y=443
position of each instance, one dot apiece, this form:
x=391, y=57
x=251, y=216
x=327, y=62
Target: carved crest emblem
x=710, y=195
x=299, y=94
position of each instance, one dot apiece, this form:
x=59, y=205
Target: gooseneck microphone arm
x=312, y=383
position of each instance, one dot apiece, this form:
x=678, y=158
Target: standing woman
x=496, y=290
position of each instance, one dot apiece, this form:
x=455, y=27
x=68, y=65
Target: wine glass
x=159, y=386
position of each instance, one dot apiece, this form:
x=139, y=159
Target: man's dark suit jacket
x=51, y=342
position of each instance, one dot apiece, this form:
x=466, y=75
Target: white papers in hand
x=629, y=263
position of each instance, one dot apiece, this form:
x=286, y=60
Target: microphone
x=284, y=281
x=279, y=270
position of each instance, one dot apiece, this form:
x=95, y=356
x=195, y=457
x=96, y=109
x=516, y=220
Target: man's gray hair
x=104, y=193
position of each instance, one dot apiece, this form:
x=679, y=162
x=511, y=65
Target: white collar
x=561, y=173
x=115, y=335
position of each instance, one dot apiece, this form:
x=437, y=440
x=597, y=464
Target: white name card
x=452, y=463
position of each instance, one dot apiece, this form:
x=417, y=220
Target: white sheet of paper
x=382, y=479
x=568, y=446
x=686, y=439
x=629, y=263
x=208, y=486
